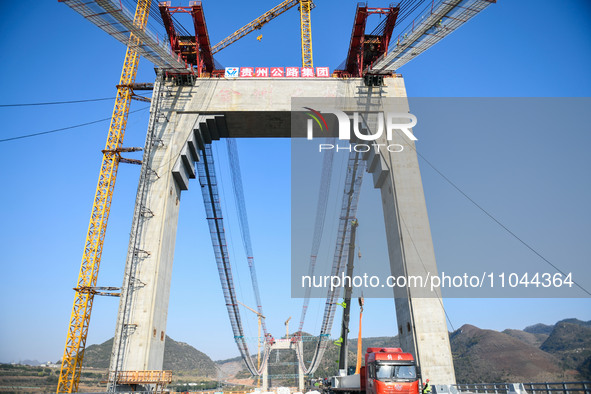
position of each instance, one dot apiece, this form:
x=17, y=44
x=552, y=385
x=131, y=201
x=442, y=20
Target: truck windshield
x=389, y=372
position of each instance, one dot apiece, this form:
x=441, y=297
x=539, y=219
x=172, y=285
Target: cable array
x=215, y=220
x=354, y=177
x=243, y=221
x=325, y=180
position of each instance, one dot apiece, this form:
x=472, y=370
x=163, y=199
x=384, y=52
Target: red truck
x=386, y=371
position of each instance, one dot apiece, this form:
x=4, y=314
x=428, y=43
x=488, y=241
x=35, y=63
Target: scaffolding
x=135, y=255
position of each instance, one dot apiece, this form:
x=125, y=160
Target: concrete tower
x=251, y=108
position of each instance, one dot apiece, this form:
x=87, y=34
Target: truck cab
x=389, y=371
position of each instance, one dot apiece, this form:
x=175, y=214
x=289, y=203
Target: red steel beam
x=355, y=54
x=356, y=63
x=204, y=55
x=202, y=36
x=169, y=26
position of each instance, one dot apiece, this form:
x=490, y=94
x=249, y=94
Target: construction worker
x=339, y=341
x=426, y=388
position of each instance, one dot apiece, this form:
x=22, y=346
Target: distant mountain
x=539, y=329
x=547, y=329
x=492, y=356
x=33, y=363
x=577, y=321
x=570, y=341
x=527, y=337
x=178, y=356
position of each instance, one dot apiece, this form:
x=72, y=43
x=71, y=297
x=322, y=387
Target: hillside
x=178, y=356
x=538, y=353
x=570, y=341
x=492, y=356
x=539, y=329
x=479, y=355
x=533, y=339
x=98, y=356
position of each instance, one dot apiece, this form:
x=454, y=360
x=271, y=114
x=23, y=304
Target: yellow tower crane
x=93, y=247
x=260, y=318
x=306, y=31
x=258, y=23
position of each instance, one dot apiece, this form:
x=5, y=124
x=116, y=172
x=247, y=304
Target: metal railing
x=559, y=387
x=536, y=388
x=496, y=388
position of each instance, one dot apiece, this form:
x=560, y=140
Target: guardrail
x=536, y=388
x=489, y=388
x=559, y=387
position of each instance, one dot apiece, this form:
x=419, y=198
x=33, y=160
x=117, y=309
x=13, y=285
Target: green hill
x=532, y=339
x=570, y=341
x=539, y=329
x=178, y=356
x=492, y=356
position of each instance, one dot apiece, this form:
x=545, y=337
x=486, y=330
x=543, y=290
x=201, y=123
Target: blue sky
x=513, y=49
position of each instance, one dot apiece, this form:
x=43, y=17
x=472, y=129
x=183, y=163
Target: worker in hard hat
x=426, y=388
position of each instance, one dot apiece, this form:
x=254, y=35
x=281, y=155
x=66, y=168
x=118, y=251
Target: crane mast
x=93, y=247
x=306, y=31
